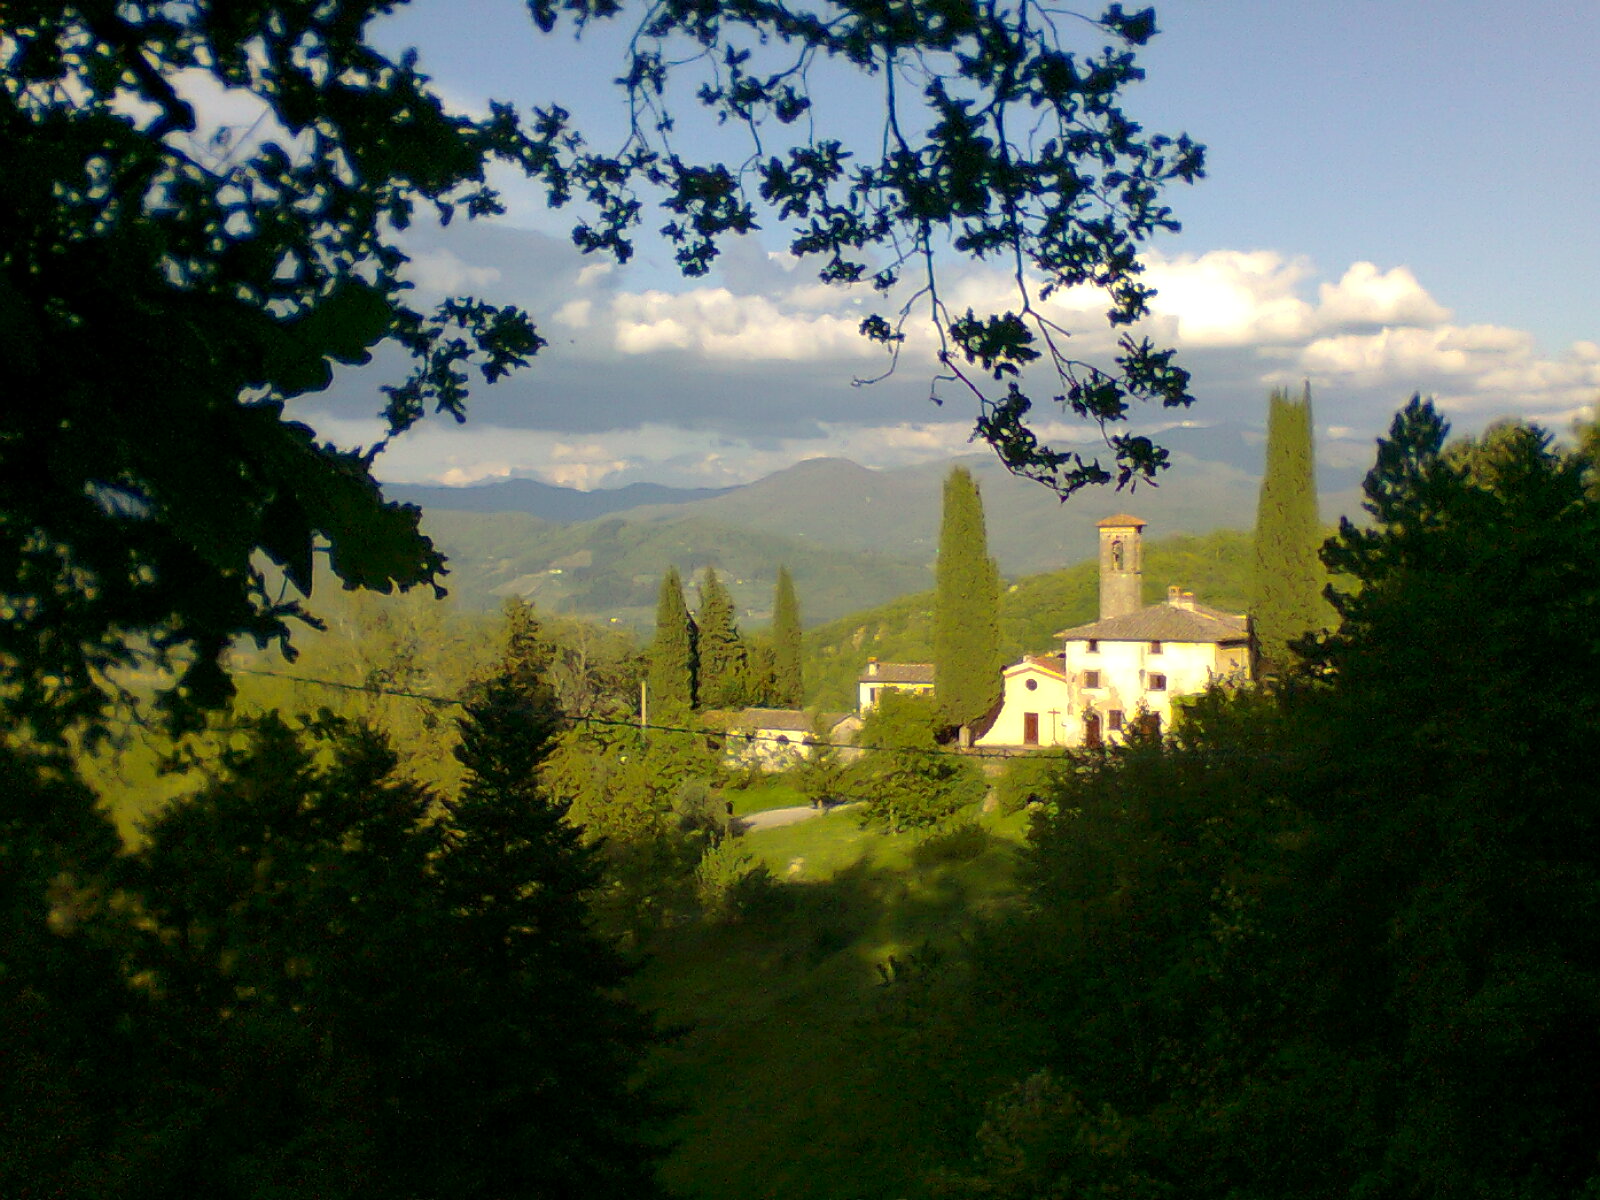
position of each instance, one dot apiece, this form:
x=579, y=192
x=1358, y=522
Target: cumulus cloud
x=720, y=325
x=753, y=368
x=1366, y=297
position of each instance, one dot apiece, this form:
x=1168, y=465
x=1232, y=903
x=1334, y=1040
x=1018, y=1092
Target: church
x=1128, y=666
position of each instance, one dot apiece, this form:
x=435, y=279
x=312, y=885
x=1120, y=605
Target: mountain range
x=853, y=537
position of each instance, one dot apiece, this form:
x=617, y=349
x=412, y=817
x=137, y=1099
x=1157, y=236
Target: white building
x=774, y=739
x=1128, y=666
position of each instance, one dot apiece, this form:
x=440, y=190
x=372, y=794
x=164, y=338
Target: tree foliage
x=204, y=281
x=674, y=654
x=1338, y=939
x=966, y=607
x=906, y=778
x=723, y=676
x=1286, y=602
x=788, y=680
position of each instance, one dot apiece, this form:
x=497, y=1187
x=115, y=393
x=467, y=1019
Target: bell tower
x=1121, y=566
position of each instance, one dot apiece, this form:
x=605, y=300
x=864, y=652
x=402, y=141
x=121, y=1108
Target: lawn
x=765, y=794
x=800, y=1076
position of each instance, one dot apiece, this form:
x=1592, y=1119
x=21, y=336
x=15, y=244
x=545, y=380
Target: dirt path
x=773, y=818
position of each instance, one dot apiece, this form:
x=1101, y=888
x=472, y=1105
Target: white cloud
x=724, y=382
x=1473, y=370
x=719, y=325
x=438, y=272
x=1231, y=297
x=1366, y=297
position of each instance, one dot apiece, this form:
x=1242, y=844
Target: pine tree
x=788, y=681
x=519, y=882
x=724, y=658
x=966, y=608
x=1288, y=573
x=673, y=655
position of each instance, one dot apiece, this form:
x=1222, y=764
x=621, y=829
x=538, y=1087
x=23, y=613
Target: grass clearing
x=789, y=1077
x=767, y=794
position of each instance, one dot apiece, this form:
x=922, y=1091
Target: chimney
x=872, y=667
x=1121, y=566
x=1178, y=598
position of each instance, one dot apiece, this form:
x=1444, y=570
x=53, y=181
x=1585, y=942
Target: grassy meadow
x=800, y=1069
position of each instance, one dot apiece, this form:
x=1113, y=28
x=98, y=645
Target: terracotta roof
x=1165, y=623
x=789, y=719
x=1053, y=663
x=1121, y=521
x=889, y=672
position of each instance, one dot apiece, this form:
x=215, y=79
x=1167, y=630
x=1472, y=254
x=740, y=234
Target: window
x=1116, y=720
x=1094, y=645
x=1155, y=647
x=1091, y=679
x=1032, y=685
x=1158, y=683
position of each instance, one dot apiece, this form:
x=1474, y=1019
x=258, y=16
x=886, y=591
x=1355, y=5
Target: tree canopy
x=966, y=607
x=1286, y=600
x=164, y=295
x=1336, y=938
x=674, y=654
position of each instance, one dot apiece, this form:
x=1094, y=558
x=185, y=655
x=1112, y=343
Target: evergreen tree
x=724, y=658
x=1286, y=601
x=966, y=607
x=788, y=682
x=549, y=1088
x=674, y=662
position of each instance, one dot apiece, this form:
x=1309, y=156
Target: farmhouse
x=774, y=739
x=895, y=677
x=1128, y=666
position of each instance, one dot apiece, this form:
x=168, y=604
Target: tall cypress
x=673, y=657
x=788, y=680
x=1287, y=585
x=966, y=608
x=724, y=658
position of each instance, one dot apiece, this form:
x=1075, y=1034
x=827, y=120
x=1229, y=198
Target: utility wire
x=776, y=739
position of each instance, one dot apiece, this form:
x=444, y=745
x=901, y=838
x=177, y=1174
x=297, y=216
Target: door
x=1030, y=729
x=1091, y=729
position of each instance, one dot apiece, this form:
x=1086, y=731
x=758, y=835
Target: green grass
x=794, y=1076
x=767, y=794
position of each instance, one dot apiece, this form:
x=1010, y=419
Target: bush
x=906, y=778
x=730, y=885
x=1033, y=777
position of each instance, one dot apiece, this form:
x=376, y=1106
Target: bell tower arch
x=1121, y=566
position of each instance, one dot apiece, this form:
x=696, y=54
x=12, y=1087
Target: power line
x=775, y=739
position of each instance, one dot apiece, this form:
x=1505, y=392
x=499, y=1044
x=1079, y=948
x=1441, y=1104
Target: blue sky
x=1400, y=197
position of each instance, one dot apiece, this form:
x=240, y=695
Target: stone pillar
x=1121, y=566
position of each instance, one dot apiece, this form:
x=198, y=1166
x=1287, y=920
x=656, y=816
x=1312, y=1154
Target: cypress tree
x=1287, y=585
x=724, y=658
x=966, y=608
x=788, y=680
x=673, y=657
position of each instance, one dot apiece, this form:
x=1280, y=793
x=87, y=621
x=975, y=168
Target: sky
x=1399, y=198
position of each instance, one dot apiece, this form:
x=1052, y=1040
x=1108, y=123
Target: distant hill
x=855, y=538
x=544, y=500
x=1216, y=567
x=833, y=503
x=611, y=569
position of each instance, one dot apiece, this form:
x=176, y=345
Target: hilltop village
x=1130, y=667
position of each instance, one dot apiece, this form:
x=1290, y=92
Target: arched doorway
x=1091, y=729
